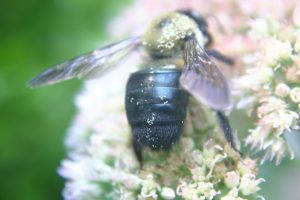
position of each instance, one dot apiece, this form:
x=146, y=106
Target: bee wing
x=98, y=61
x=202, y=78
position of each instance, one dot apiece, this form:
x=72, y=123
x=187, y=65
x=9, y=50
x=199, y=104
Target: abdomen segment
x=155, y=108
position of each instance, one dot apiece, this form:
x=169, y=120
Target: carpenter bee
x=156, y=100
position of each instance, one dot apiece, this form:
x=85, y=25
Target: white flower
x=198, y=173
x=255, y=78
x=282, y=90
x=276, y=51
x=295, y=95
x=292, y=73
x=131, y=182
x=261, y=27
x=281, y=120
x=197, y=157
x=202, y=190
x=247, y=166
x=269, y=105
x=233, y=194
x=249, y=185
x=232, y=179
x=149, y=188
x=188, y=192
x=274, y=120
x=81, y=190
x=258, y=137
x=207, y=190
x=168, y=193
x=277, y=149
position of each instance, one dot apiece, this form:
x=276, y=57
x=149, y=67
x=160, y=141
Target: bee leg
x=219, y=56
x=225, y=125
x=137, y=147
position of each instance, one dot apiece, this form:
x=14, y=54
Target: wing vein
x=99, y=59
x=202, y=78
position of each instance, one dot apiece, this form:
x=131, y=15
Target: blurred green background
x=38, y=34
x=34, y=35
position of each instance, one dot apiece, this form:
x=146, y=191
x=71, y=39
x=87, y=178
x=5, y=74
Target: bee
x=179, y=65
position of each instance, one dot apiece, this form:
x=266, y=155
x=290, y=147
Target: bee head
x=166, y=35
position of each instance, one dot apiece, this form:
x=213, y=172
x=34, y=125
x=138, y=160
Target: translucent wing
x=96, y=61
x=202, y=78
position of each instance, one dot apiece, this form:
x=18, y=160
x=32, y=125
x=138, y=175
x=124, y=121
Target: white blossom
x=168, y=193
x=295, y=94
x=149, y=188
x=232, y=195
x=249, y=185
x=232, y=179
x=276, y=51
x=282, y=90
x=255, y=78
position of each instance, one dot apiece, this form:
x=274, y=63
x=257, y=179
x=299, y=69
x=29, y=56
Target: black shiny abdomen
x=155, y=108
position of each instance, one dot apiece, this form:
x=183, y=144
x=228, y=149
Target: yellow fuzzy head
x=165, y=35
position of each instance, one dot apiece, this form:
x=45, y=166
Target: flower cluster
x=269, y=86
x=217, y=173
x=106, y=166
x=101, y=163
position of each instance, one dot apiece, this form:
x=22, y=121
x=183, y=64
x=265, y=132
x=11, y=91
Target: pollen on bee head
x=167, y=32
x=174, y=31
